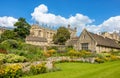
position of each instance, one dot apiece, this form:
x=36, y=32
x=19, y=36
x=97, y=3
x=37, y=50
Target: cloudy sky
x=94, y=15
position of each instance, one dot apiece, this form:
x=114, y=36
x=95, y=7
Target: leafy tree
x=61, y=36
x=22, y=28
x=8, y=34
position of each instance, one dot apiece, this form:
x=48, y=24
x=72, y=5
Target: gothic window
x=84, y=46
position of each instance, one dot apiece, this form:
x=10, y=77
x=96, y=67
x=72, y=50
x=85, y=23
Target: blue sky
x=98, y=11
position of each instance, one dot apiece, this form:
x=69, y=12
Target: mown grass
x=84, y=70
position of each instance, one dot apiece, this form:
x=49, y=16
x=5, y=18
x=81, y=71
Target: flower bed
x=17, y=70
x=12, y=58
x=11, y=71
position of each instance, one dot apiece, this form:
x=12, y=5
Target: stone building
x=40, y=35
x=86, y=41
x=95, y=42
x=43, y=36
x=73, y=37
x=72, y=32
x=115, y=36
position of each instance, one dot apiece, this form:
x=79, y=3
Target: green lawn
x=84, y=70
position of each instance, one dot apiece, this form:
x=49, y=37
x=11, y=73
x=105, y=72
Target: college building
x=97, y=42
x=42, y=36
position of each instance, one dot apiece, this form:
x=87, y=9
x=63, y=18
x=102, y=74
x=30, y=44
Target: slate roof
x=37, y=39
x=104, y=41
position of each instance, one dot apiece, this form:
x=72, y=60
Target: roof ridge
x=105, y=41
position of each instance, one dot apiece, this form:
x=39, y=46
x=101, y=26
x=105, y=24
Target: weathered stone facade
x=43, y=36
x=40, y=36
x=73, y=37
x=88, y=41
x=96, y=43
x=115, y=36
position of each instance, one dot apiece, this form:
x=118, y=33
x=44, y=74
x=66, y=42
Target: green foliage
x=9, y=44
x=50, y=52
x=2, y=59
x=82, y=53
x=104, y=57
x=12, y=58
x=31, y=52
x=61, y=36
x=8, y=34
x=117, y=53
x=52, y=47
x=11, y=71
x=99, y=60
x=74, y=53
x=22, y=28
x=38, y=68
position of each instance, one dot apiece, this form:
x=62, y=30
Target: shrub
x=81, y=53
x=11, y=71
x=38, y=68
x=107, y=56
x=10, y=44
x=31, y=52
x=50, y=52
x=117, y=53
x=2, y=59
x=99, y=60
x=12, y=58
x=73, y=52
x=46, y=54
x=52, y=47
x=113, y=57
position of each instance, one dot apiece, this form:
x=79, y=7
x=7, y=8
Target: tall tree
x=61, y=36
x=22, y=28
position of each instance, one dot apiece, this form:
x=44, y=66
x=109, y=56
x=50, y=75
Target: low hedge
x=11, y=71
x=12, y=58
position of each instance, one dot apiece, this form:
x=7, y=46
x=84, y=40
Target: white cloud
x=80, y=21
x=7, y=21
x=42, y=16
x=112, y=24
x=93, y=28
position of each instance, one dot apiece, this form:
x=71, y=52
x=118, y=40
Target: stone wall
x=39, y=31
x=85, y=38
x=106, y=49
x=37, y=43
